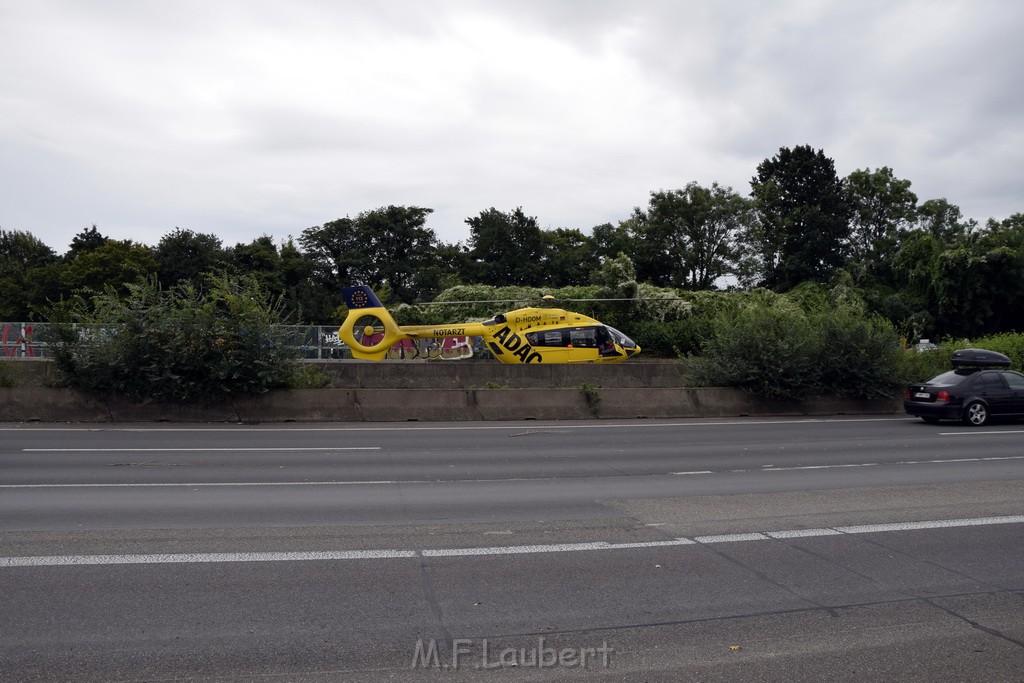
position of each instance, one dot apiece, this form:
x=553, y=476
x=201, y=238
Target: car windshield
x=951, y=378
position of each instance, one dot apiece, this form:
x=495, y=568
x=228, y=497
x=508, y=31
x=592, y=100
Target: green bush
x=771, y=351
x=861, y=354
x=781, y=351
x=673, y=338
x=923, y=366
x=181, y=344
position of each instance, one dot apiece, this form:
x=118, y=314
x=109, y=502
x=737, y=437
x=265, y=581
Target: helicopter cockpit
x=601, y=337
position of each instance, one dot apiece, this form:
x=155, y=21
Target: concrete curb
x=37, y=404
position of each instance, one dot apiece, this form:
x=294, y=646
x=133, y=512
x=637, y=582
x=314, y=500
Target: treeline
x=919, y=264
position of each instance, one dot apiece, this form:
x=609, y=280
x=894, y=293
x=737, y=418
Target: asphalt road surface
x=747, y=549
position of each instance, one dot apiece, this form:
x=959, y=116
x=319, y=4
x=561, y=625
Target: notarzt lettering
x=449, y=332
x=517, y=345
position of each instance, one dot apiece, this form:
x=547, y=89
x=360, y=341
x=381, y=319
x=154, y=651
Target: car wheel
x=931, y=420
x=976, y=414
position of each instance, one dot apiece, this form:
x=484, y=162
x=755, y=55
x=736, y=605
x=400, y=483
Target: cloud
x=251, y=117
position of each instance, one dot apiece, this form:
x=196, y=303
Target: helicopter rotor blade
x=501, y=301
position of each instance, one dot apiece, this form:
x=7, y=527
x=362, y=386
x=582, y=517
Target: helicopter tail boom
x=370, y=331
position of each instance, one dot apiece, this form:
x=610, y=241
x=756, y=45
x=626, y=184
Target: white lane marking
x=731, y=538
x=405, y=426
x=552, y=548
x=794, y=468
x=803, y=533
x=77, y=560
x=514, y=550
x=239, y=449
x=773, y=468
x=932, y=524
x=188, y=558
x=376, y=482
x=975, y=432
x=214, y=483
x=651, y=544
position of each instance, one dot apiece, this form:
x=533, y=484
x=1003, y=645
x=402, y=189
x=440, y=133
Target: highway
x=727, y=549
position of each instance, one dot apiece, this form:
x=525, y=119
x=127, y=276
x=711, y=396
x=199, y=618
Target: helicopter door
x=583, y=345
x=605, y=343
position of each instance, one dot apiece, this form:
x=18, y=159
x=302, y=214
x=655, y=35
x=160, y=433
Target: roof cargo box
x=979, y=358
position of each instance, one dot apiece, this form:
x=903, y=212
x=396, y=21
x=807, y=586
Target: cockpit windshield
x=621, y=339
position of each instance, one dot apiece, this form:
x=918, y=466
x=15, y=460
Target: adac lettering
x=449, y=332
x=517, y=345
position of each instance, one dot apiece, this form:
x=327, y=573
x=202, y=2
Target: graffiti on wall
x=16, y=340
x=445, y=348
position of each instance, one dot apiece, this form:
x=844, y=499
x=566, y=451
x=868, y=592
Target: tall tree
x=568, y=258
x=448, y=267
x=804, y=218
x=23, y=257
x=333, y=249
x=260, y=259
x=85, y=241
x=116, y=263
x=611, y=240
x=505, y=248
x=385, y=247
x=689, y=238
x=395, y=244
x=186, y=256
x=883, y=209
x=944, y=220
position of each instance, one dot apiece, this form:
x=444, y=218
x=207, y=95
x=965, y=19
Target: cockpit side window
x=583, y=338
x=576, y=337
x=546, y=338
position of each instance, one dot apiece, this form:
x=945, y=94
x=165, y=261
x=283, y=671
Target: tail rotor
x=368, y=330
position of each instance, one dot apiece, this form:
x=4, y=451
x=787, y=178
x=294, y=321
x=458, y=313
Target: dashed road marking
x=390, y=554
x=238, y=449
x=797, y=468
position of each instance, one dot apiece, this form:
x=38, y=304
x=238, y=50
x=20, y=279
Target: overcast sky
x=250, y=117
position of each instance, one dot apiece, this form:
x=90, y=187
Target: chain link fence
x=313, y=342
x=33, y=340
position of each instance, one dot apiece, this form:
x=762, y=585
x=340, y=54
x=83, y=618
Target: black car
x=976, y=389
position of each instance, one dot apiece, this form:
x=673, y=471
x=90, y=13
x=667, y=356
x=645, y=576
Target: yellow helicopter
x=524, y=336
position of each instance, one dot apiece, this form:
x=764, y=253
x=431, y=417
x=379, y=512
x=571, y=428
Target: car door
x=1015, y=382
x=991, y=387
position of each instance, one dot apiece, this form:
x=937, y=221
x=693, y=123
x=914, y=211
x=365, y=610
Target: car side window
x=1015, y=380
x=990, y=381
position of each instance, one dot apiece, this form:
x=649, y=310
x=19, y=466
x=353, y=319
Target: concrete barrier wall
x=29, y=372
x=492, y=374
x=34, y=404
x=425, y=391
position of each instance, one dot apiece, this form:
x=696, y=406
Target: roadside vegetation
x=180, y=344
x=811, y=283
